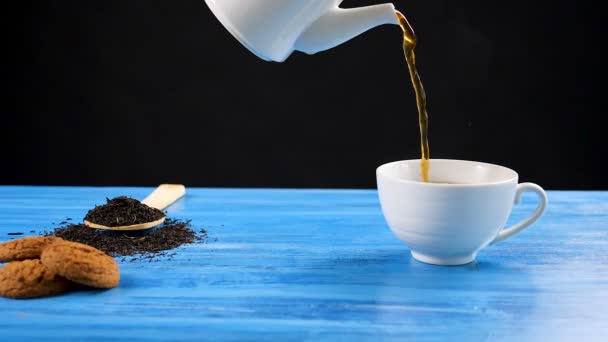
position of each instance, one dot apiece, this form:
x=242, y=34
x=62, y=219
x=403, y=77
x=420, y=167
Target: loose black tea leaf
x=150, y=243
x=16, y=233
x=123, y=211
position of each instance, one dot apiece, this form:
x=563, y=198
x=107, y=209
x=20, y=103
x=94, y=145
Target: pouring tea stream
x=272, y=30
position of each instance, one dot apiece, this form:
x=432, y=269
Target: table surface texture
x=322, y=265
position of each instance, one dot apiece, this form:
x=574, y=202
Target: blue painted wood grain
x=322, y=265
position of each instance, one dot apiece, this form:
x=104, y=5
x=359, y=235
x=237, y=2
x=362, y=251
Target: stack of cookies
x=47, y=266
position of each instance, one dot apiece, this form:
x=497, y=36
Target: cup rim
x=381, y=171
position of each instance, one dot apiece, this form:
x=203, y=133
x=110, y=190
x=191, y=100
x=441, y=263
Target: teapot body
x=273, y=29
x=269, y=28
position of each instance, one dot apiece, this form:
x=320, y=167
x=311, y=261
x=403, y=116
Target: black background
x=141, y=92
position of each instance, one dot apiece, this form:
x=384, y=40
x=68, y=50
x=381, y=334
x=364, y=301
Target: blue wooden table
x=322, y=265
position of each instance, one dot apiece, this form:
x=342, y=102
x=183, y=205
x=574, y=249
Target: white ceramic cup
x=462, y=210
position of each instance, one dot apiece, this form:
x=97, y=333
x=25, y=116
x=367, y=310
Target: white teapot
x=273, y=29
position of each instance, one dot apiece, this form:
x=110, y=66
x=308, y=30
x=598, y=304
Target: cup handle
x=540, y=209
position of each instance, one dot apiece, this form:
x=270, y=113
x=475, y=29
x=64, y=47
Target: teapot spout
x=340, y=25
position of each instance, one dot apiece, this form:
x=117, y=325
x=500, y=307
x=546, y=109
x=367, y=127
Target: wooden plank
x=322, y=265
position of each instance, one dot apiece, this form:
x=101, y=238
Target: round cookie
x=82, y=264
x=25, y=248
x=30, y=279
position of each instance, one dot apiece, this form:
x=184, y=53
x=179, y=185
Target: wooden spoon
x=163, y=196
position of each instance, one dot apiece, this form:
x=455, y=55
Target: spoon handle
x=165, y=195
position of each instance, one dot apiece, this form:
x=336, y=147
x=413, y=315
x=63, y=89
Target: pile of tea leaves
x=123, y=211
x=149, y=244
